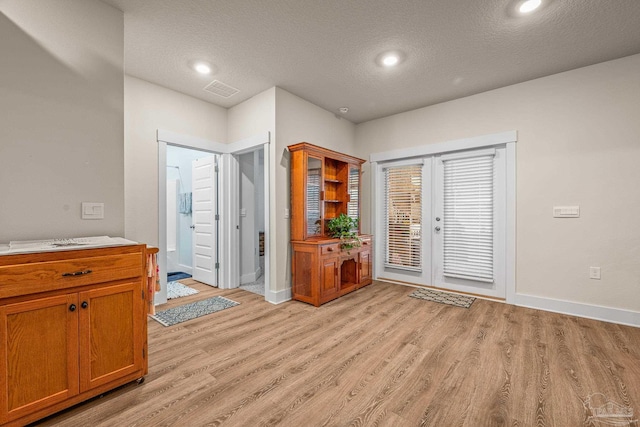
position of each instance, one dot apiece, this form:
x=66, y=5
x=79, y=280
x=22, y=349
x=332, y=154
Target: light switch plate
x=566, y=211
x=92, y=210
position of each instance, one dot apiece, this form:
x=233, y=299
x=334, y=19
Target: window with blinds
x=468, y=218
x=354, y=189
x=403, y=217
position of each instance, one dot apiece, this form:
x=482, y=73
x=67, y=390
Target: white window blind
x=468, y=218
x=403, y=217
x=354, y=196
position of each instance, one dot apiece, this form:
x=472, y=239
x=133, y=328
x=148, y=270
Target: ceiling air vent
x=216, y=87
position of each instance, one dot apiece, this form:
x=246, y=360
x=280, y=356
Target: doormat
x=178, y=275
x=443, y=297
x=178, y=290
x=180, y=314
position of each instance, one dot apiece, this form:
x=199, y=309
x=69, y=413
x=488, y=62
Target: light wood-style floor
x=373, y=358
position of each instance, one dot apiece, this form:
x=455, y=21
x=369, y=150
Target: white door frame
x=507, y=139
x=229, y=267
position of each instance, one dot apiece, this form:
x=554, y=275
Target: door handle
x=437, y=228
x=192, y=226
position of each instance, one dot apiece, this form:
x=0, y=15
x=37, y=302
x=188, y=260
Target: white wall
x=577, y=145
x=61, y=98
x=149, y=107
x=298, y=120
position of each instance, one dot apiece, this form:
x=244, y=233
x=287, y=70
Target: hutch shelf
x=324, y=185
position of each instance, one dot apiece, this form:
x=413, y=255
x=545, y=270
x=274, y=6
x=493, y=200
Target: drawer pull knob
x=365, y=242
x=72, y=307
x=329, y=249
x=84, y=304
x=77, y=273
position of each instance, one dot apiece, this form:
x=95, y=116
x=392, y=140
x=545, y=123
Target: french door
x=444, y=221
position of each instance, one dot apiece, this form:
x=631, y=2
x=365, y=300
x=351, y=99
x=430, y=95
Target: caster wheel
x=140, y=380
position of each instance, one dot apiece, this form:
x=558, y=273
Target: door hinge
x=215, y=168
x=142, y=292
x=217, y=265
x=217, y=217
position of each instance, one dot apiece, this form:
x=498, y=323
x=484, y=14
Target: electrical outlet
x=594, y=273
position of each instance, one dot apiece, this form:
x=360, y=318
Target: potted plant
x=345, y=228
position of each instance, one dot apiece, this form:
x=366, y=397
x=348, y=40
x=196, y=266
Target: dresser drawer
x=333, y=248
x=30, y=278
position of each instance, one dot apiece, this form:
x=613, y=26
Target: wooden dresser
x=325, y=184
x=72, y=326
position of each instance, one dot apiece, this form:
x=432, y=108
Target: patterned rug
x=177, y=290
x=193, y=310
x=443, y=297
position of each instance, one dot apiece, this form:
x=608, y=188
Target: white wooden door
x=468, y=226
x=204, y=210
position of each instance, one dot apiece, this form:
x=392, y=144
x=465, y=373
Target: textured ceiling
x=325, y=51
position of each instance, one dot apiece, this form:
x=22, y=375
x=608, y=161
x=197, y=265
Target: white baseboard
x=278, y=297
x=185, y=268
x=606, y=314
x=251, y=277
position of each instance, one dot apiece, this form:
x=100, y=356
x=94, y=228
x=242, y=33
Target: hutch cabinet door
x=365, y=264
x=110, y=334
x=313, y=198
x=329, y=280
x=38, y=354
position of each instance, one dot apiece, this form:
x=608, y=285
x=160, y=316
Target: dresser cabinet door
x=111, y=341
x=38, y=354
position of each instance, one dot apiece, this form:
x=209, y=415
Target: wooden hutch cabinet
x=325, y=184
x=73, y=325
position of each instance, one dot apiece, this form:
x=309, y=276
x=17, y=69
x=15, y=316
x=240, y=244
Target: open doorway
x=251, y=221
x=228, y=223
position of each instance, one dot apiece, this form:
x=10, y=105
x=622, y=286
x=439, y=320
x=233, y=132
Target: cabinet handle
x=365, y=243
x=329, y=249
x=84, y=304
x=72, y=307
x=77, y=273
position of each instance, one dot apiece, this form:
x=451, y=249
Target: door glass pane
x=314, y=215
x=468, y=218
x=403, y=217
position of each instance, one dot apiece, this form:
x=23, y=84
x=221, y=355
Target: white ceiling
x=325, y=50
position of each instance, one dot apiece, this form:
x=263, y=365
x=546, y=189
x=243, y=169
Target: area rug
x=177, y=275
x=177, y=290
x=180, y=314
x=443, y=297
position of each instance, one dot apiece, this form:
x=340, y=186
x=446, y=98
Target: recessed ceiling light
x=390, y=60
x=529, y=5
x=202, y=68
